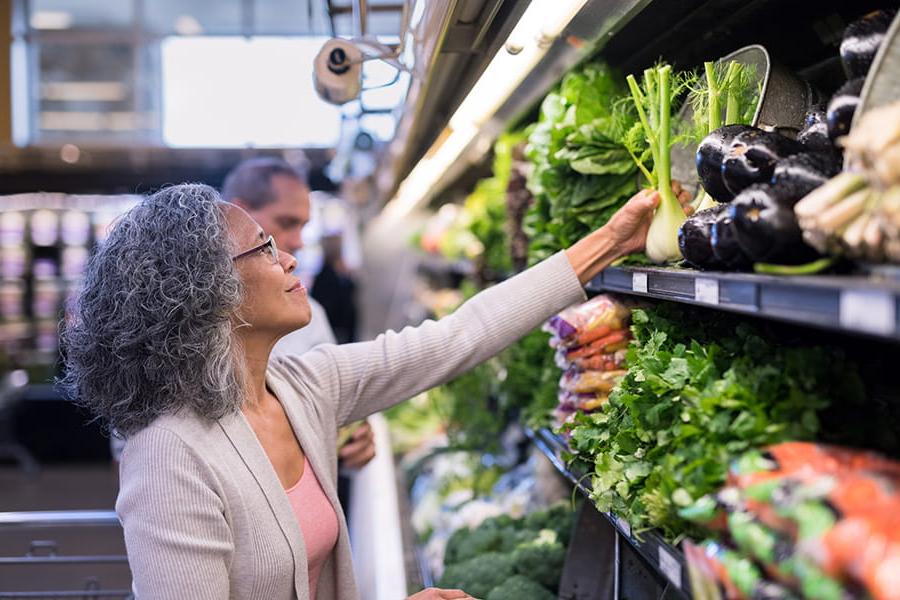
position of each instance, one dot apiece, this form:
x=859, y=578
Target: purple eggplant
x=814, y=134
x=842, y=107
x=766, y=229
x=798, y=175
x=862, y=38
x=752, y=156
x=723, y=242
x=695, y=238
x=710, y=154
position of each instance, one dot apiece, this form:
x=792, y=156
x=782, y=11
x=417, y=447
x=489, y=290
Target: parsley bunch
x=700, y=390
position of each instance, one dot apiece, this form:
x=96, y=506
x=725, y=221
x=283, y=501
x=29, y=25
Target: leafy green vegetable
x=472, y=418
x=654, y=100
x=529, y=379
x=519, y=587
x=541, y=559
x=700, y=390
x=534, y=547
x=582, y=171
x=483, y=218
x=479, y=575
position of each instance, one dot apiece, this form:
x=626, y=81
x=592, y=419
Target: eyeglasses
x=267, y=246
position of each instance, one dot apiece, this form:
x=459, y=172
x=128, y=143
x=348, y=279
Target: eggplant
x=862, y=38
x=723, y=242
x=766, y=229
x=814, y=134
x=710, y=153
x=752, y=156
x=842, y=106
x=695, y=238
x=798, y=175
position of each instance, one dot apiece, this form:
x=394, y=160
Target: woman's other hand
x=359, y=449
x=439, y=594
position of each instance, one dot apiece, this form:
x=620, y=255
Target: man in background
x=276, y=195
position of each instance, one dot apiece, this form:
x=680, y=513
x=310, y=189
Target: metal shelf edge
x=853, y=304
x=650, y=546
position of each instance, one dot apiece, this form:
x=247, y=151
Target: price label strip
x=670, y=567
x=639, y=283
x=706, y=291
x=871, y=311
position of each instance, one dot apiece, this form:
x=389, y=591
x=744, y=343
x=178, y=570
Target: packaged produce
x=590, y=341
x=588, y=322
x=585, y=382
x=821, y=520
x=719, y=573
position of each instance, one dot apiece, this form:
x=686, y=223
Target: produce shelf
x=856, y=304
x=665, y=558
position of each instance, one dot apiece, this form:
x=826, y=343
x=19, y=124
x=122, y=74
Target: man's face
x=285, y=218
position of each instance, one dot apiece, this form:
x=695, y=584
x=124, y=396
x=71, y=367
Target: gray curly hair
x=151, y=331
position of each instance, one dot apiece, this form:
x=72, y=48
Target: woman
x=228, y=476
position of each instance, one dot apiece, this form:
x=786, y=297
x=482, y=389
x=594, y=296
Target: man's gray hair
x=251, y=180
x=151, y=331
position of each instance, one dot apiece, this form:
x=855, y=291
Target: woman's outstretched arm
x=371, y=376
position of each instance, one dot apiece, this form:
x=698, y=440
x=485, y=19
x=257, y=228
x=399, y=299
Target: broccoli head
x=513, y=539
x=559, y=518
x=541, y=559
x=519, y=587
x=469, y=543
x=478, y=576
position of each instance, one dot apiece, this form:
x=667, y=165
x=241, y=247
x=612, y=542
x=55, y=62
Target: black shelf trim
x=667, y=559
x=861, y=305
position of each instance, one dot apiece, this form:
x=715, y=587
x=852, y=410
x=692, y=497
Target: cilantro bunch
x=700, y=390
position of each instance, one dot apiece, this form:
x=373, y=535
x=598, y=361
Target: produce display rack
x=667, y=560
x=867, y=305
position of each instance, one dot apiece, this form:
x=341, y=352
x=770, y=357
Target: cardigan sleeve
x=367, y=377
x=176, y=533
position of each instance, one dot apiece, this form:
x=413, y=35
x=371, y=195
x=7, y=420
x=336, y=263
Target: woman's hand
x=359, y=449
x=629, y=226
x=439, y=594
x=624, y=233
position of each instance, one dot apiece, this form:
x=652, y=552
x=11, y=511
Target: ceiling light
x=188, y=25
x=51, y=19
x=542, y=21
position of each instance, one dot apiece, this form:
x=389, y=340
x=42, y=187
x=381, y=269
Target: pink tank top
x=317, y=519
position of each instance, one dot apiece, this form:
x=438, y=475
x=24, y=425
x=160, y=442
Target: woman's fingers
x=452, y=594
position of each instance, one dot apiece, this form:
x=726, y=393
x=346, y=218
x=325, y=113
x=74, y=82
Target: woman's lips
x=297, y=288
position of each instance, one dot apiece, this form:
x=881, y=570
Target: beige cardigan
x=204, y=513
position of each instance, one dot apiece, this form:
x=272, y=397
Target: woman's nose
x=287, y=261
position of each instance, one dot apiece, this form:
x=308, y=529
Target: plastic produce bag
x=588, y=322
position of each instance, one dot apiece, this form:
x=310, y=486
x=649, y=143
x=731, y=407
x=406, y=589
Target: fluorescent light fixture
x=51, y=19
x=528, y=42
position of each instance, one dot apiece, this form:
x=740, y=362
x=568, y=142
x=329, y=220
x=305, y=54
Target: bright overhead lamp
x=541, y=23
x=51, y=19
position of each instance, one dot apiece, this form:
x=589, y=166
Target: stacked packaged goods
x=590, y=341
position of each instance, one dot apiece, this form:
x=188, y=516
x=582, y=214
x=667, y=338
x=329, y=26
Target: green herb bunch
x=699, y=391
